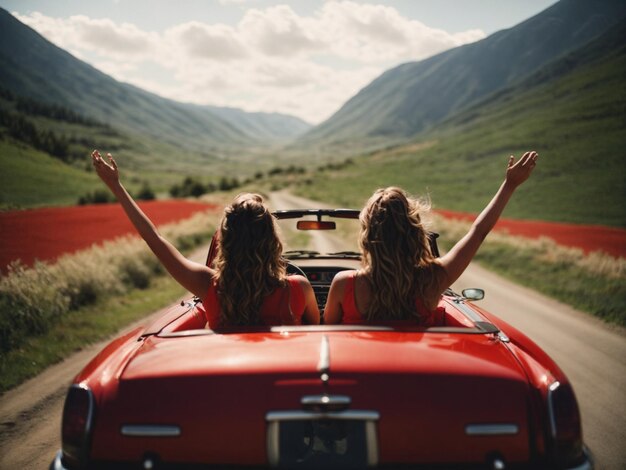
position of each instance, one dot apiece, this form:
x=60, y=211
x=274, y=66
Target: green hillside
x=55, y=142
x=32, y=178
x=31, y=66
x=573, y=112
x=417, y=96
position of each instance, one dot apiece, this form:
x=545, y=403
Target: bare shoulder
x=342, y=276
x=302, y=281
x=340, y=281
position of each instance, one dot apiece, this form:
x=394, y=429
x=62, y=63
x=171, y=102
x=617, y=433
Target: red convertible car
x=473, y=393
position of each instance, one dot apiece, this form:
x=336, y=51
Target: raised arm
x=194, y=277
x=458, y=258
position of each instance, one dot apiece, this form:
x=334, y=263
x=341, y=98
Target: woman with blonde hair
x=401, y=279
x=248, y=284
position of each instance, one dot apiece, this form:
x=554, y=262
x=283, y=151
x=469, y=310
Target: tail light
x=565, y=427
x=77, y=424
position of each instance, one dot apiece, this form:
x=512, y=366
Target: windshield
x=310, y=243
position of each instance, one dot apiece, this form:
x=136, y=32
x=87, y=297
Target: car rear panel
x=428, y=389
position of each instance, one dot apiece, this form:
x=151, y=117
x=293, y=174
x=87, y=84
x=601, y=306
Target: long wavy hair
x=248, y=264
x=397, y=258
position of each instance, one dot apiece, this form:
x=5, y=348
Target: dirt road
x=30, y=415
x=591, y=354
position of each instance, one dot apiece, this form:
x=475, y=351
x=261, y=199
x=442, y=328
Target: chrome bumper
x=588, y=464
x=57, y=463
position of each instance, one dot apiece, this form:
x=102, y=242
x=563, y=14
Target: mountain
x=31, y=66
x=268, y=127
x=572, y=111
x=416, y=96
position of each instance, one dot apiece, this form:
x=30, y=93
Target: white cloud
x=279, y=31
x=76, y=33
x=202, y=41
x=104, y=36
x=377, y=33
x=273, y=59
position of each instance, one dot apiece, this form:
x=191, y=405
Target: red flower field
x=589, y=238
x=47, y=233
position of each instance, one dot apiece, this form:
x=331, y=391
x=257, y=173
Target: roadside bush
x=138, y=265
x=146, y=193
x=98, y=196
x=594, y=282
x=32, y=299
x=191, y=187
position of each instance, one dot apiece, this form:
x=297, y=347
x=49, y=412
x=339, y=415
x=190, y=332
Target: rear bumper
x=57, y=463
x=588, y=464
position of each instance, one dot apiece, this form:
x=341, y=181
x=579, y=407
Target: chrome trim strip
x=323, y=366
x=338, y=328
x=273, y=447
x=468, y=311
x=325, y=400
x=503, y=337
x=371, y=438
x=186, y=333
x=481, y=323
x=296, y=415
x=491, y=429
x=324, y=328
x=150, y=430
x=551, y=389
x=487, y=327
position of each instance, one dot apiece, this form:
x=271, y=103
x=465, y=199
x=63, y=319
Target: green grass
x=575, y=122
x=602, y=296
x=31, y=178
x=83, y=327
x=49, y=310
x=593, y=283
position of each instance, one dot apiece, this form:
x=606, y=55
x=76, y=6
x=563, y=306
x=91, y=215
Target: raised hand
x=518, y=172
x=107, y=172
x=458, y=258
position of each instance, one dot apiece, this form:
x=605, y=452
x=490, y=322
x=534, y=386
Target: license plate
x=322, y=440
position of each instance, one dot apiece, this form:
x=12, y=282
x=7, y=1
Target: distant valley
x=554, y=83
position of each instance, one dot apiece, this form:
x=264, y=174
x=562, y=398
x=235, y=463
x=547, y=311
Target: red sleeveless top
x=352, y=316
x=284, y=306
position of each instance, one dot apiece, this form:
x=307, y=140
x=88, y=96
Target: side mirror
x=473, y=294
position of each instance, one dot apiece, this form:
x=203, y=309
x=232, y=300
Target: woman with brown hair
x=401, y=279
x=249, y=284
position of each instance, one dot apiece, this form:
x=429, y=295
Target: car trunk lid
x=440, y=397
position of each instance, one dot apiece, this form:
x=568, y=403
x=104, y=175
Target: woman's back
x=248, y=266
x=397, y=259
x=284, y=306
x=354, y=291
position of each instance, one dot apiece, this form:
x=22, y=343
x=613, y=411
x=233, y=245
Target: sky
x=300, y=57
